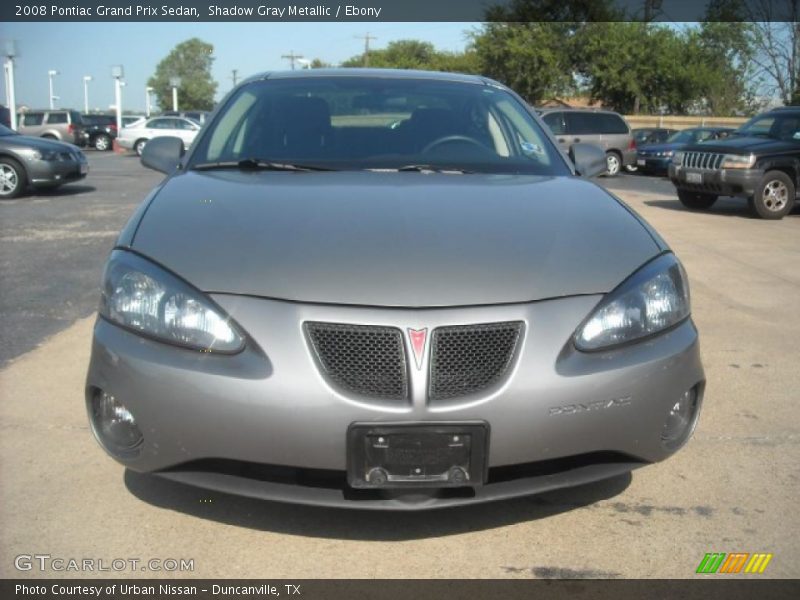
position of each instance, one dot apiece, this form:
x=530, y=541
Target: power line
x=291, y=57
x=366, y=39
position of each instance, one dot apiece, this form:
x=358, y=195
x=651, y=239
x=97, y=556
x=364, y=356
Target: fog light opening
x=681, y=419
x=114, y=425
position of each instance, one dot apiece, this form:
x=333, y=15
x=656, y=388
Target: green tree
x=416, y=54
x=191, y=61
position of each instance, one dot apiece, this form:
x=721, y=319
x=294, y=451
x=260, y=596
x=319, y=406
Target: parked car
x=36, y=162
x=759, y=162
x=134, y=137
x=601, y=127
x=656, y=158
x=323, y=306
x=651, y=135
x=62, y=125
x=99, y=131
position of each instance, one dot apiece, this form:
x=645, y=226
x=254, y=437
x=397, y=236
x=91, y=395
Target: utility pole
x=291, y=57
x=235, y=76
x=367, y=37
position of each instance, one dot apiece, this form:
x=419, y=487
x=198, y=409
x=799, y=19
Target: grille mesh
x=362, y=359
x=470, y=358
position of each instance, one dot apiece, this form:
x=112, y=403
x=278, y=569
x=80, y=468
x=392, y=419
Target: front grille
x=702, y=160
x=362, y=359
x=468, y=359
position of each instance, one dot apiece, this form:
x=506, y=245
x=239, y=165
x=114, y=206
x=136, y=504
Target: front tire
x=139, y=146
x=102, y=143
x=12, y=178
x=774, y=197
x=696, y=200
x=613, y=164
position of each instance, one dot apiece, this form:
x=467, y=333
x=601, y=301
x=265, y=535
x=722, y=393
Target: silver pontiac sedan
x=388, y=290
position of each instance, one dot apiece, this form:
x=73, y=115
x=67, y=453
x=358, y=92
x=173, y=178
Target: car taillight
x=71, y=128
x=632, y=145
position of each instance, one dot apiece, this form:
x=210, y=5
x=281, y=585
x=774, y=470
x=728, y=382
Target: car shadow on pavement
x=364, y=525
x=724, y=207
x=67, y=190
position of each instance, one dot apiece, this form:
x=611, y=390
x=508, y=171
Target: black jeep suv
x=760, y=162
x=99, y=131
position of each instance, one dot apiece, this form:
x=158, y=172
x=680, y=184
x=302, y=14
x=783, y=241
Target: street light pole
x=118, y=72
x=147, y=91
x=8, y=69
x=50, y=74
x=175, y=83
x=86, y=80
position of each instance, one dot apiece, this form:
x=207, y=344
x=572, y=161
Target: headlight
x=651, y=300
x=677, y=158
x=738, y=161
x=145, y=298
x=47, y=155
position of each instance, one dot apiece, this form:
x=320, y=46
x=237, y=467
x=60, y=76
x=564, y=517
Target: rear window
x=56, y=118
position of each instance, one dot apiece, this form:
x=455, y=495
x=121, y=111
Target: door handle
x=561, y=140
x=576, y=140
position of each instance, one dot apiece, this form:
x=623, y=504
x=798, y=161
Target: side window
x=582, y=123
x=554, y=122
x=611, y=124
x=33, y=119
x=157, y=124
x=702, y=135
x=57, y=118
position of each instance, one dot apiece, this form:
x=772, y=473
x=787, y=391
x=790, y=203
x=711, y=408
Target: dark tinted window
x=555, y=122
x=75, y=117
x=56, y=118
x=33, y=118
x=586, y=123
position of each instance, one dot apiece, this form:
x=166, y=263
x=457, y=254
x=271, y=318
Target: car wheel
x=12, y=178
x=774, y=197
x=139, y=146
x=102, y=143
x=613, y=164
x=696, y=200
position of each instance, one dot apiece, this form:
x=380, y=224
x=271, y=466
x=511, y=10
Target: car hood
x=392, y=239
x=38, y=143
x=745, y=145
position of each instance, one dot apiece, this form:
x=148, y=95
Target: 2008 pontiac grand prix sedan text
x=388, y=289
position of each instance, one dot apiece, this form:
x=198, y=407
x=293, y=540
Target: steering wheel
x=449, y=139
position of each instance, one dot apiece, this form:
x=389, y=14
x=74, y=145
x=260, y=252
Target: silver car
x=388, y=290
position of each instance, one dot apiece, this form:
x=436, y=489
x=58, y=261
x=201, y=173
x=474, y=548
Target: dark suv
x=99, y=130
x=760, y=162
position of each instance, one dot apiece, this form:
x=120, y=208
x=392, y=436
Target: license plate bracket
x=414, y=455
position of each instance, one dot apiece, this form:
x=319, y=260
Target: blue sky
x=78, y=49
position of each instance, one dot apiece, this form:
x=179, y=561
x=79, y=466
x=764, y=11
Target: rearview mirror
x=163, y=153
x=589, y=160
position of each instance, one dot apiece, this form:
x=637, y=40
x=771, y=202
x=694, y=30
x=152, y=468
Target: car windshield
x=781, y=127
x=681, y=137
x=4, y=131
x=354, y=123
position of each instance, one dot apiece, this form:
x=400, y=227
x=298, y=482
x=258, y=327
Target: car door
x=582, y=127
x=185, y=129
x=31, y=123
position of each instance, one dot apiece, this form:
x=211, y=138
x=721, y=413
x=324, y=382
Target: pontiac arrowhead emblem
x=418, y=337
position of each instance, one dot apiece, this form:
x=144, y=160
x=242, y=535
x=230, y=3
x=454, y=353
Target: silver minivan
x=604, y=128
x=60, y=124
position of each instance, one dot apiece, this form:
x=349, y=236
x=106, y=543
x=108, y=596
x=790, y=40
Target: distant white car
x=135, y=136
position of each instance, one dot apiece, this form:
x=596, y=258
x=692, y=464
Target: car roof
x=372, y=74
x=600, y=111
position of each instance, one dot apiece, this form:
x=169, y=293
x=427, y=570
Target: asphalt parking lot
x=734, y=488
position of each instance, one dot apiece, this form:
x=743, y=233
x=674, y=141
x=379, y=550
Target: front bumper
x=652, y=163
x=49, y=173
x=722, y=182
x=265, y=423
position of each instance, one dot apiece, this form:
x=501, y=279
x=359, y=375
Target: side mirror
x=589, y=160
x=163, y=153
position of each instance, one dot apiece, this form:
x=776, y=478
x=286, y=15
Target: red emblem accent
x=417, y=337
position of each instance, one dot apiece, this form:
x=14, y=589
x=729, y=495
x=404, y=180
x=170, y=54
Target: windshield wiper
x=426, y=169
x=257, y=164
